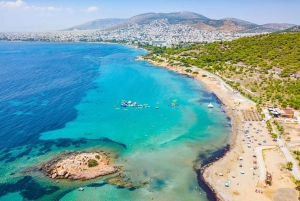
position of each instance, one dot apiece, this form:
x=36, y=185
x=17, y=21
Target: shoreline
x=220, y=93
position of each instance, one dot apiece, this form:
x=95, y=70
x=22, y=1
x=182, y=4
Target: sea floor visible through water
x=58, y=97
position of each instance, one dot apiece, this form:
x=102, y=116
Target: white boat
x=80, y=189
x=210, y=105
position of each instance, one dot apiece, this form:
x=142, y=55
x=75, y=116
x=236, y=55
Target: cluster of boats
x=133, y=104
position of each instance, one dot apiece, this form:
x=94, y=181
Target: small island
x=79, y=166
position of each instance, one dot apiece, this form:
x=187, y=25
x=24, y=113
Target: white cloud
x=92, y=9
x=21, y=4
x=12, y=4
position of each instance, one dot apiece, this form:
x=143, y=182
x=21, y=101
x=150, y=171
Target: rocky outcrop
x=75, y=165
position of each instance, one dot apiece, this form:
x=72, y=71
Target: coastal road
x=237, y=96
x=260, y=161
x=289, y=158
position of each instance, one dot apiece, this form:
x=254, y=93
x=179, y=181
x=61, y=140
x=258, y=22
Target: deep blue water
x=66, y=96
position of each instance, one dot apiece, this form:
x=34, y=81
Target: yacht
x=210, y=105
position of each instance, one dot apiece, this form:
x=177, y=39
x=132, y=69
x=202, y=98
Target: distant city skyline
x=35, y=15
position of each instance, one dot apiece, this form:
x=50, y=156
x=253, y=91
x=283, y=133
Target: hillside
x=97, y=24
x=260, y=67
x=293, y=29
x=173, y=18
x=187, y=18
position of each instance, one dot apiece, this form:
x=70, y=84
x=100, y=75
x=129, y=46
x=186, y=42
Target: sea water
x=58, y=97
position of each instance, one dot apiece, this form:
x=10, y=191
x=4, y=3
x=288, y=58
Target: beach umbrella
x=242, y=172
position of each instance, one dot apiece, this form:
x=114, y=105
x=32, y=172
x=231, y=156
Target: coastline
x=221, y=93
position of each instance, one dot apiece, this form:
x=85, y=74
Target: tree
x=297, y=182
x=289, y=165
x=92, y=163
x=274, y=136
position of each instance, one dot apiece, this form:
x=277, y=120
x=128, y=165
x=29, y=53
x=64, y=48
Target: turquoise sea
x=57, y=97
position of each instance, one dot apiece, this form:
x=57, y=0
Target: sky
x=46, y=15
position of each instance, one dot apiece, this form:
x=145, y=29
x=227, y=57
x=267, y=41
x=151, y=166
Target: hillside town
x=158, y=33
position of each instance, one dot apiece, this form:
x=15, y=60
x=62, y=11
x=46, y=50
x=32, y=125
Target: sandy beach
x=241, y=172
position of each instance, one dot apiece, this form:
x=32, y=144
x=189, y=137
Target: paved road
x=289, y=157
x=260, y=161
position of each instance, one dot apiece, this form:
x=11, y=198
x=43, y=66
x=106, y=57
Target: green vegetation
x=269, y=126
x=97, y=156
x=259, y=67
x=258, y=108
x=92, y=163
x=289, y=165
x=274, y=136
x=297, y=153
x=279, y=127
x=297, y=182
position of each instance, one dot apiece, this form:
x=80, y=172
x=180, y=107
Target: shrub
x=97, y=156
x=92, y=163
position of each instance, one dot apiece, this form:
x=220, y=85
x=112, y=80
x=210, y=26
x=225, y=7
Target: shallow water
x=66, y=96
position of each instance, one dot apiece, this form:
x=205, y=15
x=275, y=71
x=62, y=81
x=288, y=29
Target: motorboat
x=124, y=104
x=210, y=105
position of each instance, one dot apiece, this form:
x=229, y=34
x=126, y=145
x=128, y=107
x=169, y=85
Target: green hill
x=260, y=67
x=293, y=29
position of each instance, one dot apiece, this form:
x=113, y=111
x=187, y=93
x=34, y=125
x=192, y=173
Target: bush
x=92, y=163
x=97, y=156
x=204, y=75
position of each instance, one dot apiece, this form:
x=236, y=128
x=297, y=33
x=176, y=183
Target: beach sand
x=251, y=184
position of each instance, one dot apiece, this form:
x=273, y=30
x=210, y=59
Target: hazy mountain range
x=186, y=18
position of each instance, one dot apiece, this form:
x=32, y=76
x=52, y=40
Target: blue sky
x=44, y=15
